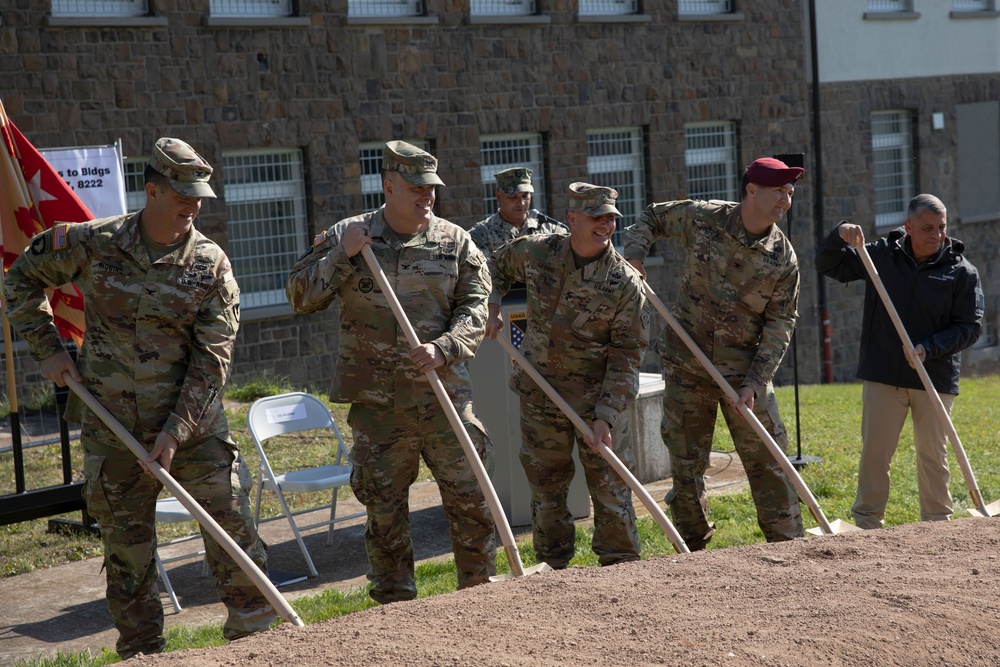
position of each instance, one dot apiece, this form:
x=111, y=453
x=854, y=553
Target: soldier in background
x=588, y=331
x=738, y=301
x=162, y=311
x=441, y=279
x=515, y=217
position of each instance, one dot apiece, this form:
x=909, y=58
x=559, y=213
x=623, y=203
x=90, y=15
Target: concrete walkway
x=62, y=609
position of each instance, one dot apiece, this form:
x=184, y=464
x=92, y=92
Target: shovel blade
x=528, y=571
x=993, y=509
x=837, y=526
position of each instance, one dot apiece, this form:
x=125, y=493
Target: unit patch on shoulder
x=319, y=238
x=40, y=244
x=60, y=237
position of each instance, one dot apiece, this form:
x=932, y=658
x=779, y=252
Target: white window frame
x=892, y=166
x=103, y=8
x=262, y=248
x=608, y=7
x=695, y=7
x=135, y=188
x=616, y=159
x=503, y=151
x=710, y=156
x=370, y=159
x=501, y=7
x=249, y=8
x=378, y=8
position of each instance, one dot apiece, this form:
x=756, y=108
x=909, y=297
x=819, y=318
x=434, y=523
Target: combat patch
x=40, y=244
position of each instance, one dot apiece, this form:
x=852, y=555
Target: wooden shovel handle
x=616, y=463
x=259, y=579
x=747, y=413
x=925, y=379
x=506, y=535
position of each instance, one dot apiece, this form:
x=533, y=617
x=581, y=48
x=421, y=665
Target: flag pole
x=8, y=348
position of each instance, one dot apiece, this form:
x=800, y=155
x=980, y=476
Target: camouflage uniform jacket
x=440, y=278
x=493, y=232
x=159, y=337
x=738, y=300
x=587, y=327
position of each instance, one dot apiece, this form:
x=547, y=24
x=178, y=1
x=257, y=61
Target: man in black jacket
x=937, y=294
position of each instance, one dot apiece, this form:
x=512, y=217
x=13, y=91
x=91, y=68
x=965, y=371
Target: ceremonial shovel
x=826, y=527
x=506, y=536
x=982, y=510
x=616, y=463
x=259, y=579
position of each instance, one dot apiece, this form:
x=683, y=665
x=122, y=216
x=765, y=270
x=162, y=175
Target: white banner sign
x=95, y=174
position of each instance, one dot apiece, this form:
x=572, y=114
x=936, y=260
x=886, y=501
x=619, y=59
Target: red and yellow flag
x=34, y=198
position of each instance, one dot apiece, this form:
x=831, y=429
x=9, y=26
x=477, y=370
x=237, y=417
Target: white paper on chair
x=288, y=413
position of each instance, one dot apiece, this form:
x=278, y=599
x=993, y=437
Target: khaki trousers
x=883, y=414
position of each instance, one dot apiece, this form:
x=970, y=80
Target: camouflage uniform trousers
x=689, y=412
x=388, y=446
x=122, y=499
x=547, y=438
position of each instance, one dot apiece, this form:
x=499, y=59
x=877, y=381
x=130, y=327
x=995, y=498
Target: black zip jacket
x=940, y=302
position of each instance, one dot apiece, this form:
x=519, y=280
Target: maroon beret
x=773, y=173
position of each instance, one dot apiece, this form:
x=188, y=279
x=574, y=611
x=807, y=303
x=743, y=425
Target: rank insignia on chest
x=319, y=238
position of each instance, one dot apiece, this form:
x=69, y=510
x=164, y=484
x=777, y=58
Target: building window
x=607, y=7
x=704, y=6
x=370, y=158
x=892, y=164
x=710, y=161
x=91, y=8
x=972, y=5
x=250, y=8
x=886, y=6
x=502, y=7
x=977, y=129
x=266, y=212
x=375, y=8
x=504, y=151
x=135, y=188
x=615, y=159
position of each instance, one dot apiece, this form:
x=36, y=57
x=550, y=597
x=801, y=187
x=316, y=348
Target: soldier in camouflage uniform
x=442, y=281
x=162, y=311
x=738, y=301
x=515, y=217
x=588, y=330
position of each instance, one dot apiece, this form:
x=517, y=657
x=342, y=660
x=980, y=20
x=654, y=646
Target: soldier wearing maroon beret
x=738, y=300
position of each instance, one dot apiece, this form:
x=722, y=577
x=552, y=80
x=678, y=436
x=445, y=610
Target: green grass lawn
x=830, y=430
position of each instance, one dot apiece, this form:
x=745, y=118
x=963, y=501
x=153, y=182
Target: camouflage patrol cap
x=593, y=200
x=417, y=166
x=187, y=172
x=514, y=180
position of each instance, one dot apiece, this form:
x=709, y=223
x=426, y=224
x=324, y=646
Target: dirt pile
x=921, y=594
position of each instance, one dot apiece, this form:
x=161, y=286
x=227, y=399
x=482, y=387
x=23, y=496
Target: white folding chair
x=290, y=413
x=170, y=510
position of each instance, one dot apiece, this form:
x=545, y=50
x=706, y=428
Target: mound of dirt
x=920, y=594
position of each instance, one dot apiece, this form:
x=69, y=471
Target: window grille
x=889, y=5
x=607, y=7
x=972, y=5
x=250, y=8
x=504, y=151
x=135, y=188
x=370, y=157
x=892, y=165
x=502, y=7
x=266, y=212
x=615, y=159
x=710, y=161
x=704, y=6
x=91, y=8
x=376, y=8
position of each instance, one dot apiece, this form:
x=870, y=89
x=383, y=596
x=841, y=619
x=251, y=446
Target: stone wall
x=329, y=86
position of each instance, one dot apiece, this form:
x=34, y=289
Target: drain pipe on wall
x=824, y=309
